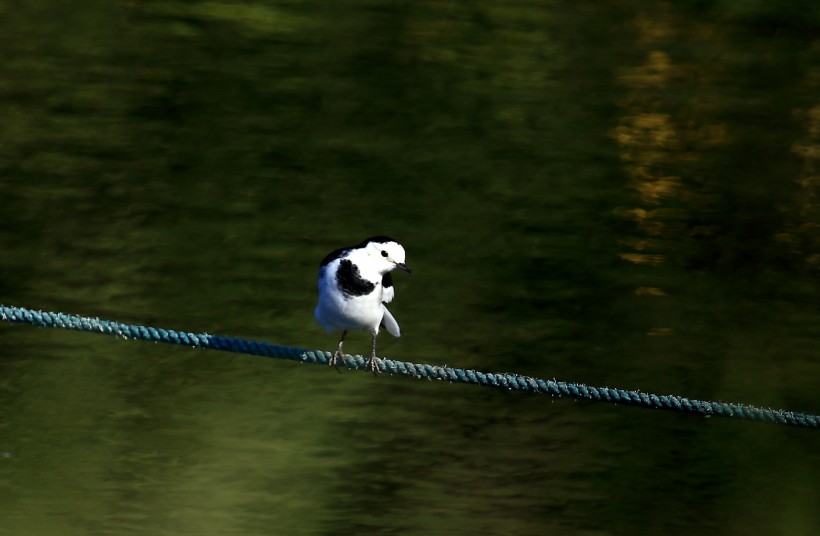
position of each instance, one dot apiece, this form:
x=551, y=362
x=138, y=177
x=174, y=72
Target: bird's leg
x=373, y=362
x=333, y=361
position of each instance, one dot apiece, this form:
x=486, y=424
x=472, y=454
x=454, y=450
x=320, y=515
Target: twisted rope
x=19, y=315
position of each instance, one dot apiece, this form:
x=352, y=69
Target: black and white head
x=383, y=253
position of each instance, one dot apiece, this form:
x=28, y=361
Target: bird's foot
x=334, y=360
x=372, y=364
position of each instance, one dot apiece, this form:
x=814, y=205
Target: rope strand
x=20, y=315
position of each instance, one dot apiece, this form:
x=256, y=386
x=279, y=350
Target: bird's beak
x=403, y=267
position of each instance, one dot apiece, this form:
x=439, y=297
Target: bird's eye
x=384, y=253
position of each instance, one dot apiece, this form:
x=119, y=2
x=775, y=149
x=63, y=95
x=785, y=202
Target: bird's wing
x=390, y=324
x=387, y=288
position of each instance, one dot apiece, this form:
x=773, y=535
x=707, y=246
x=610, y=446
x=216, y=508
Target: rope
x=19, y=315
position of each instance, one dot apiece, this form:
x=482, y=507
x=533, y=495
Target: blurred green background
x=615, y=193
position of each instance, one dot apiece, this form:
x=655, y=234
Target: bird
x=355, y=286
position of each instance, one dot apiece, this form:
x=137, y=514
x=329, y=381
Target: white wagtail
x=354, y=286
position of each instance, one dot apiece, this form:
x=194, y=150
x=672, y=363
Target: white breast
x=336, y=311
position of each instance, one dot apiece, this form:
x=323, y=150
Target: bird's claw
x=372, y=364
x=334, y=360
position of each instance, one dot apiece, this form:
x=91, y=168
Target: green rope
x=19, y=315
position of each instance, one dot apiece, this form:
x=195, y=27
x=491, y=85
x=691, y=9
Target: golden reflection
x=806, y=241
x=661, y=142
x=810, y=149
x=660, y=332
x=639, y=258
x=639, y=244
x=654, y=73
x=648, y=29
x=649, y=291
x=653, y=190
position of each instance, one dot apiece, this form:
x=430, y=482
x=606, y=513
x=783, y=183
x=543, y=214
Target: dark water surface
x=615, y=193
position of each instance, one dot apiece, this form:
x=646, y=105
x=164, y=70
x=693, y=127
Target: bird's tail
x=390, y=324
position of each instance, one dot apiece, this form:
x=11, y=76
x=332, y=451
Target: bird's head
x=385, y=253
